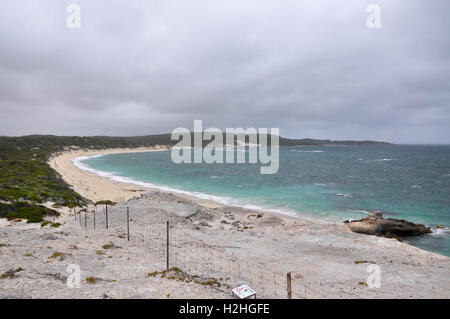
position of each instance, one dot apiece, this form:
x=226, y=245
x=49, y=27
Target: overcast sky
x=311, y=68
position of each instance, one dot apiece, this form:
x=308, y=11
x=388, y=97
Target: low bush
x=33, y=213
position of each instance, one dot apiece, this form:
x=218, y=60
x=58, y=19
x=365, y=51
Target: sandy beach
x=213, y=247
x=92, y=186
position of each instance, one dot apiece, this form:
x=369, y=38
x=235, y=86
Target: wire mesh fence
x=173, y=247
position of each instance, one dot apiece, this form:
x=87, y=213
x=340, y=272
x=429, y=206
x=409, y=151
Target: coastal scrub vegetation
x=177, y=274
x=33, y=213
x=26, y=180
x=11, y=273
x=26, y=176
x=91, y=280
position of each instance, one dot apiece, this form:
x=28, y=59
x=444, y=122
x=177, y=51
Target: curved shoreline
x=93, y=186
x=96, y=187
x=105, y=185
x=99, y=185
x=199, y=197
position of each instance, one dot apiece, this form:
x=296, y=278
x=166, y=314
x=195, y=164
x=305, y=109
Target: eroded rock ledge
x=375, y=224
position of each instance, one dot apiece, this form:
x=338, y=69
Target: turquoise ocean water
x=330, y=183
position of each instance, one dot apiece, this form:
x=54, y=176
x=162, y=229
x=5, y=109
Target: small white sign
x=244, y=291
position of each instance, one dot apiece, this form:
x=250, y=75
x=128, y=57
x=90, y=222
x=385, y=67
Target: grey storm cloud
x=311, y=68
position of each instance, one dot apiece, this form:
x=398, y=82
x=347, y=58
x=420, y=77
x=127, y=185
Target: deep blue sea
x=332, y=183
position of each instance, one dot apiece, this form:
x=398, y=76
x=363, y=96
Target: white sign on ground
x=244, y=291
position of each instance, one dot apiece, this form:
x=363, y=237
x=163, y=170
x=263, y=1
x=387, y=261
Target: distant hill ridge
x=54, y=141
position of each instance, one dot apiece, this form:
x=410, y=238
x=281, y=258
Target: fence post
x=289, y=286
x=94, y=219
x=167, y=246
x=128, y=223
x=85, y=219
x=106, y=216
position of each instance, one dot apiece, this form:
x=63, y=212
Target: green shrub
x=56, y=255
x=91, y=280
x=33, y=213
x=11, y=273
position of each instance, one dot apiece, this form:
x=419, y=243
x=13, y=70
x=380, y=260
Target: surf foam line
x=230, y=201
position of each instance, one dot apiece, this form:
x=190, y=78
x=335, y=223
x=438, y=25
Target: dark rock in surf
x=375, y=224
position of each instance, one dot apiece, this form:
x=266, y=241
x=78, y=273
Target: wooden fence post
x=106, y=216
x=128, y=223
x=85, y=219
x=94, y=219
x=167, y=246
x=289, y=286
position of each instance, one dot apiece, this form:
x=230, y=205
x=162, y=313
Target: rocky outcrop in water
x=375, y=224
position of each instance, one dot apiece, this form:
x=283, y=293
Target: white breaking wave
x=439, y=231
x=78, y=163
x=321, y=184
x=360, y=211
x=345, y=195
x=385, y=159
